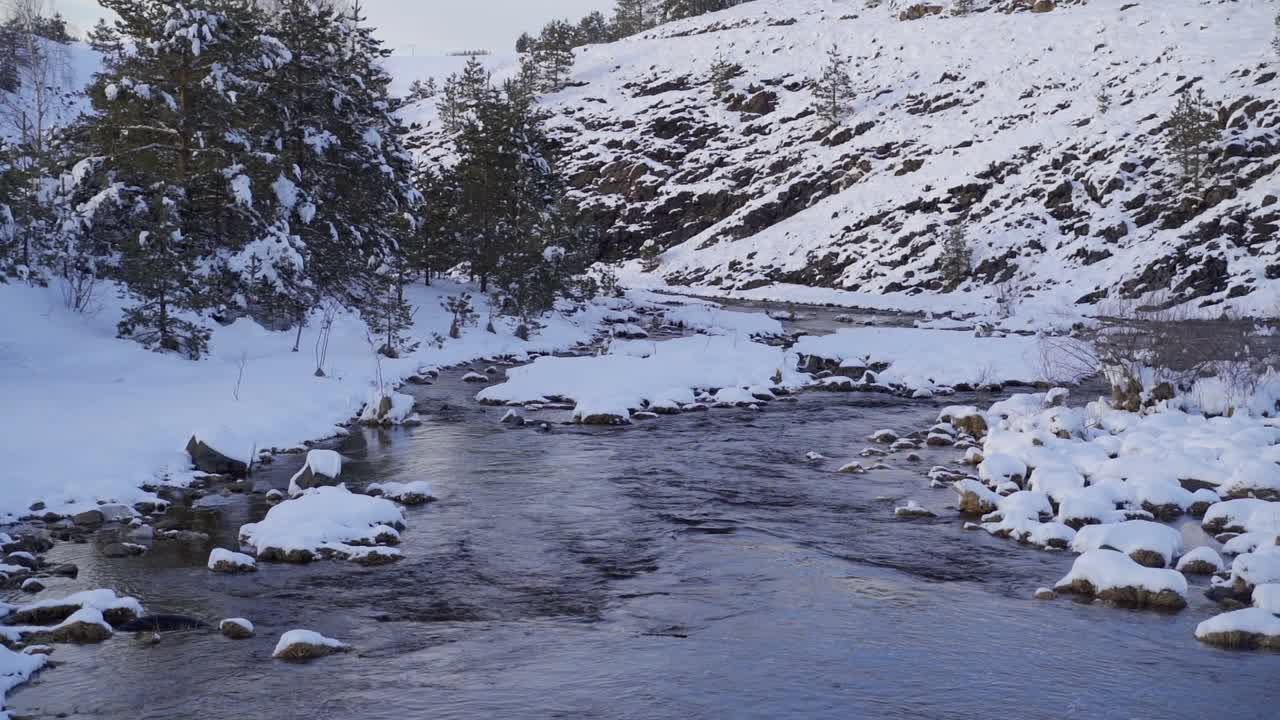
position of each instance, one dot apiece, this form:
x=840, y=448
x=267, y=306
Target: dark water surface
x=691, y=567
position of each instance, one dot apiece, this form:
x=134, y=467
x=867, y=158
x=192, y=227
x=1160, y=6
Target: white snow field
x=930, y=358
x=89, y=417
x=635, y=373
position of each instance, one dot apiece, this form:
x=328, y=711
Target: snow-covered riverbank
x=89, y=417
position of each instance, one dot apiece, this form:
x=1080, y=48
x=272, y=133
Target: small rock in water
x=301, y=645
x=854, y=468
x=89, y=517
x=275, y=497
x=812, y=456
x=1045, y=593
x=32, y=585
x=913, y=509
x=226, y=561
x=236, y=628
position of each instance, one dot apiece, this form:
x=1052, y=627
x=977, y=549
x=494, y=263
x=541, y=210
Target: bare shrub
x=1155, y=351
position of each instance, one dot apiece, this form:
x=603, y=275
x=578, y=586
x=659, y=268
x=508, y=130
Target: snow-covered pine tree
x=594, y=28
x=376, y=202
x=168, y=136
x=956, y=261
x=1193, y=129
x=553, y=54
x=635, y=16
x=339, y=178
x=680, y=9
x=156, y=267
x=462, y=93
x=104, y=39
x=834, y=89
x=722, y=72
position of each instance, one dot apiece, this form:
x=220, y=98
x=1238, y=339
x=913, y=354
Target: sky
x=428, y=27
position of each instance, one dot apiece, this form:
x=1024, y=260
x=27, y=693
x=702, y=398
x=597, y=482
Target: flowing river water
x=693, y=567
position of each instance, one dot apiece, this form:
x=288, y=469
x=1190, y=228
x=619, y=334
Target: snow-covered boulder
x=475, y=377
x=236, y=628
x=999, y=468
x=417, y=492
x=976, y=498
x=1030, y=531
x=853, y=468
x=1253, y=479
x=1091, y=505
x=389, y=408
x=84, y=626
x=1267, y=597
x=207, y=458
x=1148, y=543
x=300, y=645
x=1114, y=577
x=222, y=560
x=1200, y=561
x=322, y=467
x=731, y=397
x=1056, y=481
x=884, y=436
x=1260, y=567
x=115, y=609
x=1235, y=515
x=325, y=522
x=1247, y=629
x=913, y=509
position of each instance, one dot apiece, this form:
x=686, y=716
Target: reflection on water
x=689, y=567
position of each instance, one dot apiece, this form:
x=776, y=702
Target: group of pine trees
x=245, y=158
x=498, y=208
x=630, y=17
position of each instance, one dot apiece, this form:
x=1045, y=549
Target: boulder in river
x=222, y=560
x=302, y=645
x=236, y=628
x=207, y=459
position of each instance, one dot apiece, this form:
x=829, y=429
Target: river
x=693, y=567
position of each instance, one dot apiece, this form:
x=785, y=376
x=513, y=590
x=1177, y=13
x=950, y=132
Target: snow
x=234, y=559
x=1131, y=536
x=323, y=518
x=304, y=637
x=713, y=319
x=1267, y=597
x=1260, y=567
x=15, y=669
x=1251, y=476
x=1249, y=620
x=145, y=405
x=400, y=491
x=101, y=600
x=1109, y=569
x=1201, y=555
x=999, y=468
x=616, y=383
x=930, y=358
x=320, y=462
x=240, y=622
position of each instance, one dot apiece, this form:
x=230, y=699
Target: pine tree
x=594, y=28
x=1275, y=42
x=722, y=73
x=631, y=17
x=834, y=90
x=964, y=7
x=1193, y=130
x=167, y=129
x=104, y=39
x=155, y=268
x=463, y=93
x=524, y=43
x=553, y=54
x=956, y=260
x=680, y=9
x=1103, y=99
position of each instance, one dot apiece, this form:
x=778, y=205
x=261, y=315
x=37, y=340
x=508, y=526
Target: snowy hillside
x=65, y=70
x=993, y=115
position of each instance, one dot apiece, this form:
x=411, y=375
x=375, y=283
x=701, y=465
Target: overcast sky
x=429, y=27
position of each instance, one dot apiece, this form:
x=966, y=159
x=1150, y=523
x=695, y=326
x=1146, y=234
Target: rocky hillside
x=991, y=116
